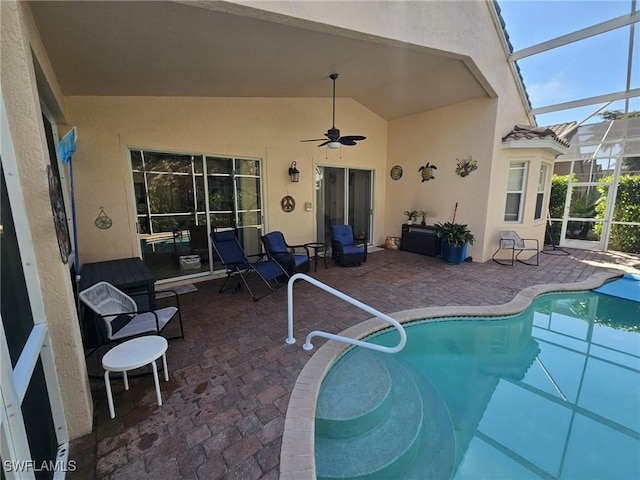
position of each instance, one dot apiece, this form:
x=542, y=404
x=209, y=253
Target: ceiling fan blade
x=333, y=134
x=353, y=137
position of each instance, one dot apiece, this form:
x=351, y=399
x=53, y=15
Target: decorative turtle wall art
x=427, y=171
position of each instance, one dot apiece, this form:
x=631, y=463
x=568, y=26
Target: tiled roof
x=563, y=129
x=528, y=132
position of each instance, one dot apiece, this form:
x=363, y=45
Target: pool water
x=553, y=392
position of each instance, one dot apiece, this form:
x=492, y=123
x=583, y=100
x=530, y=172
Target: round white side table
x=132, y=354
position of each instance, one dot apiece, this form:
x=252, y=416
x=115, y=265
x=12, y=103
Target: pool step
x=346, y=409
x=381, y=450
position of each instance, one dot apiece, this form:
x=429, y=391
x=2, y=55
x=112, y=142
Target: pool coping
x=297, y=456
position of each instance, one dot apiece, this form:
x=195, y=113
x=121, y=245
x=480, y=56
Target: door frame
x=347, y=169
x=14, y=381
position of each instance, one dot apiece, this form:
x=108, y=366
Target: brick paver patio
x=230, y=379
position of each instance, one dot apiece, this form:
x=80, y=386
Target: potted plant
x=454, y=238
x=424, y=214
x=411, y=216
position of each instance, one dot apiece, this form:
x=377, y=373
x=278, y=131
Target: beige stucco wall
x=528, y=227
x=463, y=29
x=21, y=98
x=264, y=128
x=440, y=137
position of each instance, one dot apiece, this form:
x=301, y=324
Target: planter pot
x=453, y=254
x=409, y=222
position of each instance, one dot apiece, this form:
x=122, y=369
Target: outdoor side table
x=132, y=354
x=318, y=248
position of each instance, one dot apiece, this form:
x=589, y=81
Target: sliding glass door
x=181, y=197
x=343, y=196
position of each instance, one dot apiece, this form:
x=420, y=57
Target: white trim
x=521, y=191
x=610, y=97
x=591, y=31
x=29, y=356
x=545, y=144
x=542, y=189
x=13, y=386
x=14, y=444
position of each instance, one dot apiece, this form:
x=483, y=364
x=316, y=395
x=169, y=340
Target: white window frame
x=542, y=191
x=513, y=166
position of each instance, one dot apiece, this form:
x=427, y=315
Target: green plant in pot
x=423, y=214
x=411, y=216
x=454, y=238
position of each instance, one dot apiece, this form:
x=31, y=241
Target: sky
x=594, y=66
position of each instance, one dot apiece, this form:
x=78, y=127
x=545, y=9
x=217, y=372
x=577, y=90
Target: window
x=176, y=191
x=542, y=182
x=515, y=191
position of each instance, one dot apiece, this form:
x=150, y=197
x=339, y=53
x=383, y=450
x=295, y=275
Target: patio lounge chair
x=510, y=240
x=237, y=263
x=346, y=250
x=121, y=316
x=285, y=254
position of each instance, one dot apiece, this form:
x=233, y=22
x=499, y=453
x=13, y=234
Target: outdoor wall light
x=294, y=173
x=333, y=145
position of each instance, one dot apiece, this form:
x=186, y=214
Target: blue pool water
x=553, y=392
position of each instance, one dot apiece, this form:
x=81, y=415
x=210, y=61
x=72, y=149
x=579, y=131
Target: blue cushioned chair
x=285, y=254
x=228, y=249
x=346, y=250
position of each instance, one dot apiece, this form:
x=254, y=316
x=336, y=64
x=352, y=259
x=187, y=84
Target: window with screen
x=515, y=191
x=542, y=182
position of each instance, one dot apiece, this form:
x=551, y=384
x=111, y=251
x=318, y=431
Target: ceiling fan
x=333, y=134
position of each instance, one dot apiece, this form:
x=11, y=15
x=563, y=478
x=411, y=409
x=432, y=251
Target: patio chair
x=285, y=254
x=237, y=263
x=346, y=249
x=510, y=240
x=121, y=316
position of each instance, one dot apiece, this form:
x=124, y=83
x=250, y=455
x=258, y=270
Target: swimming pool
x=551, y=392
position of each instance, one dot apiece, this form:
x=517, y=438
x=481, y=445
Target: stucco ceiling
x=171, y=49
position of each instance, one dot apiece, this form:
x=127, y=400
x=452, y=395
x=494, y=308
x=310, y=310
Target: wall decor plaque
x=396, y=172
x=288, y=204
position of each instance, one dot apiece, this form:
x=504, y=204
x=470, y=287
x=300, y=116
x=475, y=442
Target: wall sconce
x=294, y=173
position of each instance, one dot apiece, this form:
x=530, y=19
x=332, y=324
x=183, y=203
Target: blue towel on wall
x=67, y=146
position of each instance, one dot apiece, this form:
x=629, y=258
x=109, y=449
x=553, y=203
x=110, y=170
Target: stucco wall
x=528, y=227
x=440, y=137
x=461, y=28
x=265, y=128
x=27, y=135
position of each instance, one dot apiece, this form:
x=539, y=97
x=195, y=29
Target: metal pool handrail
x=316, y=333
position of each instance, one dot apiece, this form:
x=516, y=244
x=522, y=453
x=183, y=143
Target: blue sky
x=594, y=66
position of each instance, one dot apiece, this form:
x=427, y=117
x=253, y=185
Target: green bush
x=559, y=185
x=623, y=238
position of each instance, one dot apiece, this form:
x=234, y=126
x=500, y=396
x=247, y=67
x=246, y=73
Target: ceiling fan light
x=333, y=145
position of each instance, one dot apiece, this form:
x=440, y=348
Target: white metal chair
x=121, y=316
x=510, y=240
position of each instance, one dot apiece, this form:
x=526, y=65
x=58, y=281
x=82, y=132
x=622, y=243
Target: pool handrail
x=318, y=333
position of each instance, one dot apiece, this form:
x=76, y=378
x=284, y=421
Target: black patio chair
x=293, y=258
x=346, y=249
